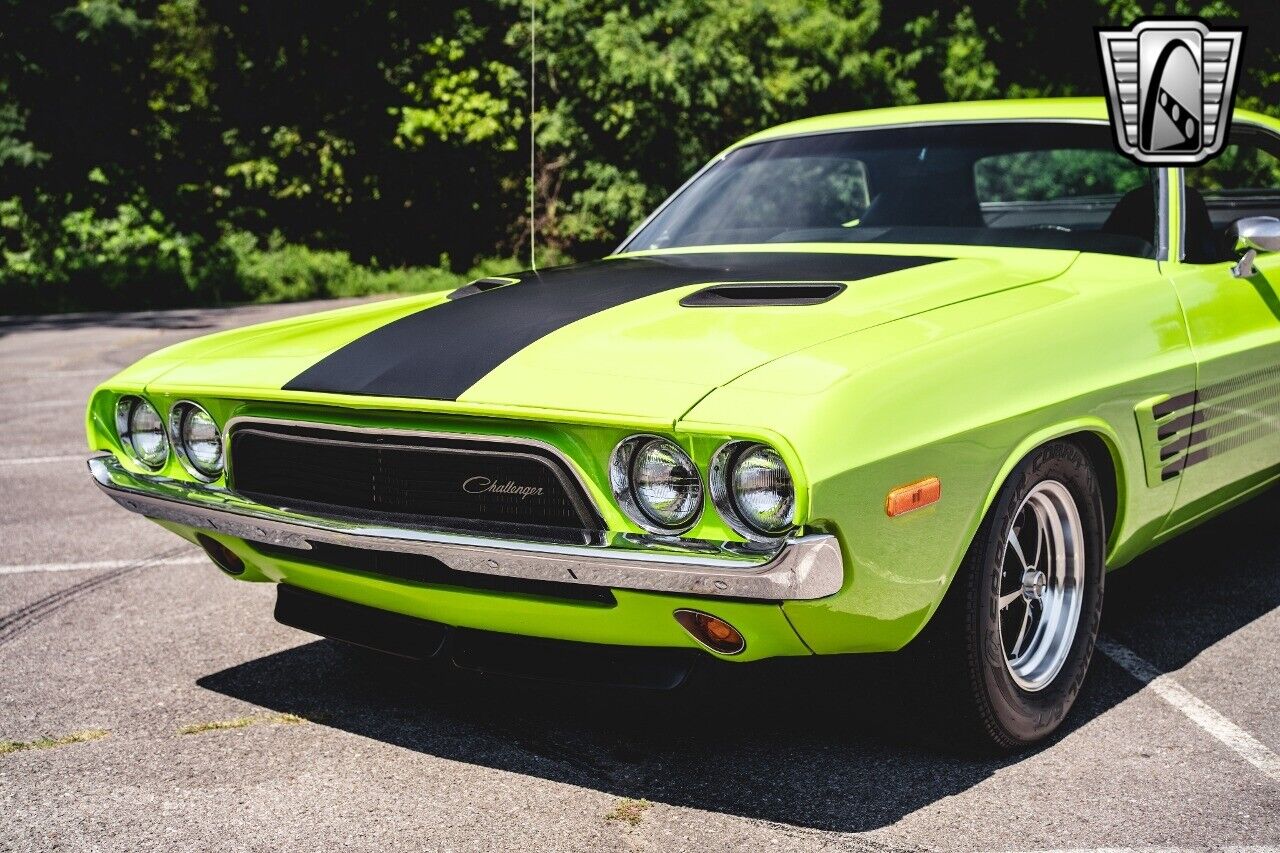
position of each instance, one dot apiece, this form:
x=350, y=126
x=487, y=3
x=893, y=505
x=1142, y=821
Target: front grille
x=438, y=483
x=421, y=568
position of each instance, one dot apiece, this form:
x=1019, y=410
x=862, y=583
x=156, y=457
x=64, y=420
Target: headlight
x=753, y=489
x=656, y=484
x=196, y=438
x=141, y=431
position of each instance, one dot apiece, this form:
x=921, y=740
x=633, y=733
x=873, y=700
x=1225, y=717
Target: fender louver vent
x=764, y=293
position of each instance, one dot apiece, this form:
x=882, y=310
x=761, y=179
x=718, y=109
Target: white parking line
x=40, y=460
x=1235, y=738
x=99, y=564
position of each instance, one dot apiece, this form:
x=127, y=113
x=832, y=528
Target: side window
x=1098, y=195
x=1069, y=188
x=1244, y=180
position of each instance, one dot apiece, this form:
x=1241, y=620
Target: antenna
x=533, y=141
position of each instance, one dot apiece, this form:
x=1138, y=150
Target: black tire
x=965, y=642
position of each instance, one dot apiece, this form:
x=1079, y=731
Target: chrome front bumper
x=806, y=567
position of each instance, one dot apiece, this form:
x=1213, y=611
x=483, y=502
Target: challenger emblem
x=480, y=485
x=1171, y=86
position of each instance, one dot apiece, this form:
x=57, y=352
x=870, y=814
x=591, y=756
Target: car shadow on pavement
x=827, y=745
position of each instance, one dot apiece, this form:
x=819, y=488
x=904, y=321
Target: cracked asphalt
x=110, y=624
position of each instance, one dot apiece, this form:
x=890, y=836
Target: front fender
x=962, y=393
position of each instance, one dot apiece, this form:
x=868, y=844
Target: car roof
x=1027, y=109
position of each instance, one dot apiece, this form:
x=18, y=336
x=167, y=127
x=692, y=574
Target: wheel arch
x=1099, y=441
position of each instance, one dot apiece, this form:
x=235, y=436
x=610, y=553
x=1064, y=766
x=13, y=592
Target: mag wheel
x=1042, y=578
x=1019, y=624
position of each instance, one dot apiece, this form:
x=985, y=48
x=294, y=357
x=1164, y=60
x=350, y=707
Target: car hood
x=608, y=336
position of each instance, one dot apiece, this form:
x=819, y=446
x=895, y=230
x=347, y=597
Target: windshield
x=1028, y=184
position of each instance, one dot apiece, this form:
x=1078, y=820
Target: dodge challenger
x=900, y=376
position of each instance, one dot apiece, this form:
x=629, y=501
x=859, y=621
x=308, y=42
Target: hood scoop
x=758, y=293
x=480, y=285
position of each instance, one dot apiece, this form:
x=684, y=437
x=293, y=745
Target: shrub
x=132, y=258
x=287, y=272
x=126, y=259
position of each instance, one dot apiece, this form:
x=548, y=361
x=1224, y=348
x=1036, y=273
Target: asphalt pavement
x=148, y=702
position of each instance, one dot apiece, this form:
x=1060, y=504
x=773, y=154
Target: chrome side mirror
x=1252, y=235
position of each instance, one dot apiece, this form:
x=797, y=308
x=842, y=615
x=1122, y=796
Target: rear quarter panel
x=961, y=393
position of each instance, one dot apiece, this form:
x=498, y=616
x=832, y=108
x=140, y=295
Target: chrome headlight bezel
x=180, y=415
x=724, y=465
x=126, y=409
x=622, y=482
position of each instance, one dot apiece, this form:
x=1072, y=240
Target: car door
x=1224, y=441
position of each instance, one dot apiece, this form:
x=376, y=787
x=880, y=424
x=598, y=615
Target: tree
x=148, y=148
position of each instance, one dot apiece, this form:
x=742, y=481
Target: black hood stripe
x=440, y=352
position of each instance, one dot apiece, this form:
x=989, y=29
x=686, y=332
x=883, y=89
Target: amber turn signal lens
x=713, y=632
x=222, y=556
x=913, y=496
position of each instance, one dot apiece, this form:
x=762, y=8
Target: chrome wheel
x=1041, y=585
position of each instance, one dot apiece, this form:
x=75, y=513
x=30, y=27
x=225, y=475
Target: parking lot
x=147, y=701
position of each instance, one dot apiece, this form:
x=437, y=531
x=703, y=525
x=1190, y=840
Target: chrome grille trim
x=571, y=479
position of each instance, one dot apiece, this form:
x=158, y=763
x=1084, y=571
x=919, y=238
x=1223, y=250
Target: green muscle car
x=904, y=376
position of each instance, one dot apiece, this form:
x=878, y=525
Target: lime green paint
x=651, y=356
x=267, y=356
x=956, y=369
x=1029, y=109
x=1026, y=109
x=961, y=393
x=1214, y=504
x=1173, y=214
x=1234, y=328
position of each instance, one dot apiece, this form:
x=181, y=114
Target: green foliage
x=461, y=98
x=128, y=255
x=284, y=272
x=643, y=94
x=132, y=258
x=125, y=248
x=15, y=150
x=287, y=273
x=174, y=152
x=1237, y=168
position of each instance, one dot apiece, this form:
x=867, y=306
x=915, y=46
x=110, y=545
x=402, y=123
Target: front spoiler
x=801, y=568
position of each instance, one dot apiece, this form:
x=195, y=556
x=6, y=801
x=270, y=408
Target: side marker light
x=913, y=496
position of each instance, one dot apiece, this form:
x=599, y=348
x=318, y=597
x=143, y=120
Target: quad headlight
x=753, y=489
x=141, y=431
x=656, y=484
x=196, y=439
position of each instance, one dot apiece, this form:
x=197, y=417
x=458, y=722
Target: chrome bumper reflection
x=806, y=567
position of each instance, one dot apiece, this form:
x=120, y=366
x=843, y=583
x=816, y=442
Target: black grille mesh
x=439, y=483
